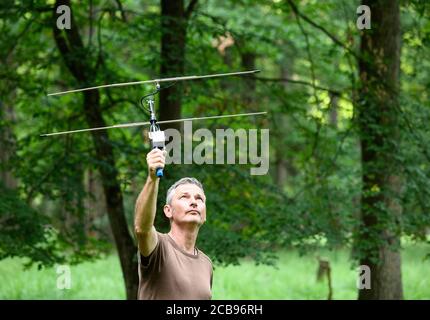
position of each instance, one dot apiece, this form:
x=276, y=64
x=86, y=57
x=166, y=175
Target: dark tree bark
x=248, y=63
x=75, y=56
x=7, y=115
x=7, y=145
x=378, y=237
x=174, y=18
x=334, y=100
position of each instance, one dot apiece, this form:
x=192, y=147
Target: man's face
x=188, y=205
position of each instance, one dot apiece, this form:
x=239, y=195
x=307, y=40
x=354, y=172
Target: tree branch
x=302, y=82
x=90, y=33
x=324, y=30
x=17, y=38
x=100, y=59
x=190, y=9
x=68, y=41
x=121, y=9
x=314, y=90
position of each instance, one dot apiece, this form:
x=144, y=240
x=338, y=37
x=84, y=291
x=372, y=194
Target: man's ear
x=167, y=211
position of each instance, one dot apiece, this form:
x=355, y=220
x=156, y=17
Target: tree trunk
x=7, y=116
x=378, y=238
x=114, y=201
x=174, y=21
x=173, y=35
x=248, y=63
x=74, y=54
x=334, y=100
x=7, y=144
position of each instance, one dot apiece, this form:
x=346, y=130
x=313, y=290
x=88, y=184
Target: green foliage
x=308, y=86
x=25, y=232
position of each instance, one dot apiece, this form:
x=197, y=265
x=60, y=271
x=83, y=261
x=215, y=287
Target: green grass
x=90, y=280
x=294, y=278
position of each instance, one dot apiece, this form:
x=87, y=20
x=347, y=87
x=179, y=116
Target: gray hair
x=186, y=180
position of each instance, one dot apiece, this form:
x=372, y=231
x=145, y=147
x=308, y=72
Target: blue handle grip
x=159, y=172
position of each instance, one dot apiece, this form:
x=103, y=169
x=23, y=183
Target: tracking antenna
x=156, y=136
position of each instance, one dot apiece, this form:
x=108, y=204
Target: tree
x=7, y=117
x=174, y=21
x=77, y=60
x=378, y=237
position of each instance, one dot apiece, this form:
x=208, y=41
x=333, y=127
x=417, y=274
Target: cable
x=158, y=89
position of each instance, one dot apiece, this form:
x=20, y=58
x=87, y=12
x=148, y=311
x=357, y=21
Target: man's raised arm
x=146, y=205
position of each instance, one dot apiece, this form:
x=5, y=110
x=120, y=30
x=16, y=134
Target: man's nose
x=193, y=203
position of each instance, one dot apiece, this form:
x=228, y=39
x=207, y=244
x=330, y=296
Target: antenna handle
x=159, y=172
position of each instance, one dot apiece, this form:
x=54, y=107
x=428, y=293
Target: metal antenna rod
x=138, y=124
x=122, y=84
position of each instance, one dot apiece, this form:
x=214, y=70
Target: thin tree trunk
x=334, y=100
x=7, y=144
x=74, y=54
x=174, y=21
x=173, y=35
x=7, y=138
x=248, y=63
x=378, y=238
x=114, y=201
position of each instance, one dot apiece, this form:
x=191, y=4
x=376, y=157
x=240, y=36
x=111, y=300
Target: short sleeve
x=156, y=256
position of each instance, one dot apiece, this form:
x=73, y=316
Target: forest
x=345, y=85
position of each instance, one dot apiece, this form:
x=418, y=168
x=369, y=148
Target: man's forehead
x=189, y=187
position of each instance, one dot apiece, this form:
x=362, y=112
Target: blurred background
x=346, y=89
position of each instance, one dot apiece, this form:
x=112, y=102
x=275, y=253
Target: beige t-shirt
x=172, y=273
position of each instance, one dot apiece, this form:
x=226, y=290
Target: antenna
x=148, y=123
x=123, y=84
x=156, y=136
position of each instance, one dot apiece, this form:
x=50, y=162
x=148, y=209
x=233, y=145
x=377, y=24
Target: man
x=170, y=265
